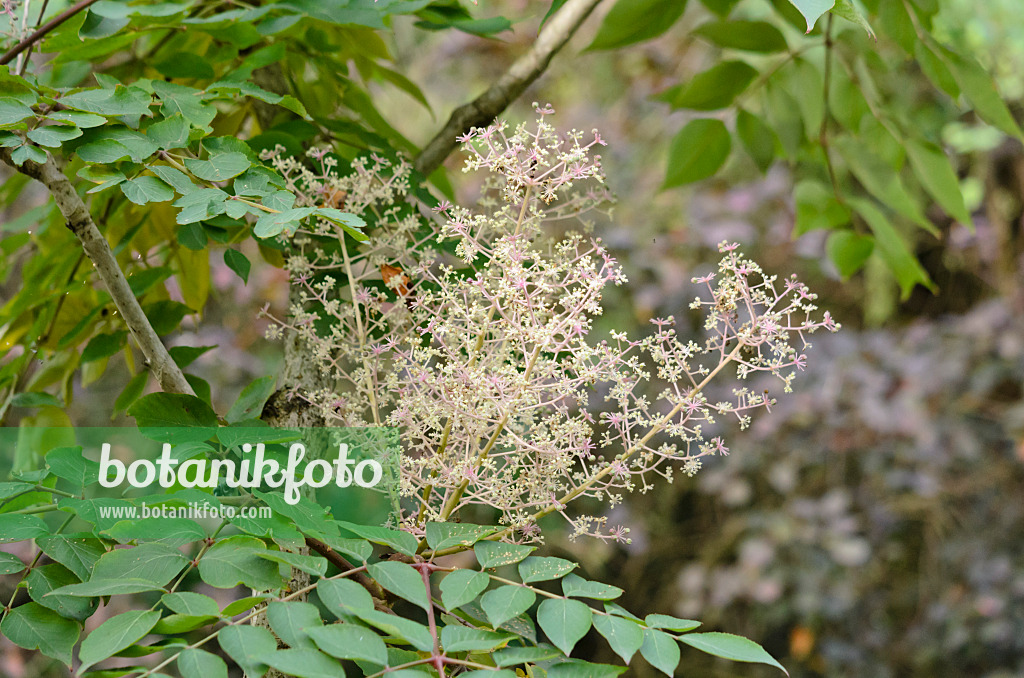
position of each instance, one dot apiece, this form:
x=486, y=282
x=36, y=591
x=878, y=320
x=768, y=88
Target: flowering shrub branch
x=471, y=331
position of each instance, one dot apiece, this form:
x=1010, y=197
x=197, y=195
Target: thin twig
x=80, y=222
x=481, y=111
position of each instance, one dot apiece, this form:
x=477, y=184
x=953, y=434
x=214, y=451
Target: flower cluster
x=471, y=331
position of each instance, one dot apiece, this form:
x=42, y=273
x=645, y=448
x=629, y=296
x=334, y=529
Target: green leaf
x=544, y=568
x=200, y=204
x=721, y=8
x=191, y=416
x=732, y=647
x=936, y=174
x=401, y=579
x=195, y=663
x=403, y=542
x=576, y=668
x=34, y=627
x=462, y=586
x=19, y=527
x=632, y=21
x=350, y=223
x=350, y=641
x=273, y=224
x=170, y=531
x=847, y=10
x=235, y=561
x=103, y=346
x=357, y=549
x=670, y=623
x=35, y=399
x=52, y=136
x=184, y=356
x=315, y=565
x=140, y=147
x=184, y=100
x=525, y=655
x=574, y=585
x=103, y=152
x=417, y=634
x=495, y=554
x=186, y=602
x=11, y=489
x=279, y=200
x=290, y=621
x=97, y=588
x=882, y=182
x=176, y=178
x=28, y=152
x=304, y=663
x=185, y=65
x=812, y=10
x=238, y=263
x=935, y=69
x=758, y=139
x=661, y=651
x=715, y=88
x=120, y=101
x=78, y=119
x=77, y=554
x=154, y=562
x=463, y=639
x=174, y=624
x=340, y=596
x=893, y=250
x=164, y=316
x=69, y=464
x=10, y=563
x=564, y=622
x=144, y=189
x=445, y=535
x=192, y=236
x=623, y=635
x=170, y=133
x=97, y=26
x=481, y=27
x=252, y=399
x=805, y=83
x=849, y=251
x=13, y=111
x=246, y=645
x=817, y=207
x=43, y=580
x=506, y=602
x=697, y=152
x=978, y=87
x=116, y=634
x=243, y=605
x=218, y=167
x=750, y=36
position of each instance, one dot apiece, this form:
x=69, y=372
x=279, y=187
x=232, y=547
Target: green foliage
x=834, y=107
x=632, y=21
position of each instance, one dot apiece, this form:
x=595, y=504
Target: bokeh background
x=873, y=524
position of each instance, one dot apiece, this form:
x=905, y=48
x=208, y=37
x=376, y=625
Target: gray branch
x=485, y=108
x=80, y=222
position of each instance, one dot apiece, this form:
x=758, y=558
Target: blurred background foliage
x=872, y=525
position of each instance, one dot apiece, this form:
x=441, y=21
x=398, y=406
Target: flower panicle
x=471, y=330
